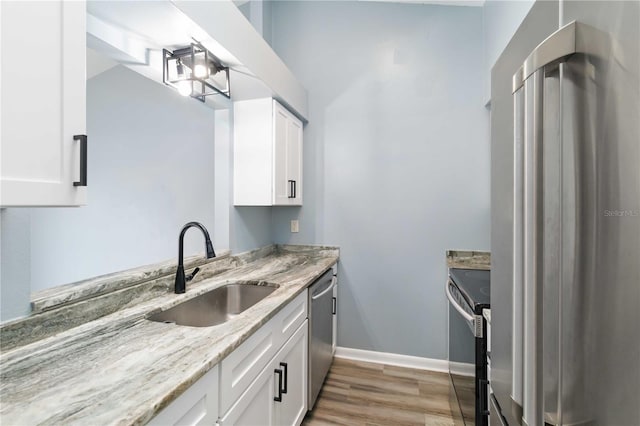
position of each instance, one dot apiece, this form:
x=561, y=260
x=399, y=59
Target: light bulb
x=184, y=87
x=179, y=68
x=200, y=71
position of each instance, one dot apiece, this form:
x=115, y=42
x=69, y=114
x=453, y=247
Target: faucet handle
x=193, y=274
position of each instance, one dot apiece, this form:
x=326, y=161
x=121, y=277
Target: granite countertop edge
x=468, y=259
x=176, y=356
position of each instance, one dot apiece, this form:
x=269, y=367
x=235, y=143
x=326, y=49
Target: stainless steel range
x=468, y=292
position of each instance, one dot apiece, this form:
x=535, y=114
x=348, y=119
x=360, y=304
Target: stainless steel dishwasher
x=321, y=311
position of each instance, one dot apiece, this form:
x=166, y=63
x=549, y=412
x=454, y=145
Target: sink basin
x=216, y=306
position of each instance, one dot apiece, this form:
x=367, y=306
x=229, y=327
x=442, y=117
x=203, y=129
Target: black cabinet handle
x=295, y=189
x=279, y=397
x=291, y=189
x=286, y=377
x=335, y=303
x=83, y=160
x=483, y=408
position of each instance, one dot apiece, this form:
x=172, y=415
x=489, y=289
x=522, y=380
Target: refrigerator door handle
x=518, y=245
x=574, y=37
x=533, y=240
x=555, y=48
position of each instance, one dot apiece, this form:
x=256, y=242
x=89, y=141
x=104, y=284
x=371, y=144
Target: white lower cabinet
x=278, y=396
x=255, y=406
x=244, y=388
x=241, y=367
x=198, y=405
x=292, y=359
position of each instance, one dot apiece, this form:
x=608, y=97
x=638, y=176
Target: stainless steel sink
x=216, y=306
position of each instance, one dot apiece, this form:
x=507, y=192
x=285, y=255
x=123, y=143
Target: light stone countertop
x=469, y=259
x=123, y=369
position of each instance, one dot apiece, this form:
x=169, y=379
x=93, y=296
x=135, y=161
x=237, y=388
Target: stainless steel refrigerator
x=565, y=237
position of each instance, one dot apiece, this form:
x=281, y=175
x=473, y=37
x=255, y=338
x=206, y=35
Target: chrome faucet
x=181, y=279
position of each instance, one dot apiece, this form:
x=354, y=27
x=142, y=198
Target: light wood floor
x=359, y=393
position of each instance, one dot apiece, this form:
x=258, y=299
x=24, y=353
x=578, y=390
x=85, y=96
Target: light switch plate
x=295, y=226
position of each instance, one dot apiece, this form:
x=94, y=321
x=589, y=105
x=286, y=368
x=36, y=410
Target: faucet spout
x=180, y=282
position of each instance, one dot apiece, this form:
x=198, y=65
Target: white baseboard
x=463, y=369
x=441, y=365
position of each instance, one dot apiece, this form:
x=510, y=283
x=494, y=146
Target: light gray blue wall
x=151, y=156
x=245, y=8
x=396, y=158
x=15, y=267
x=501, y=20
x=250, y=228
x=153, y=166
x=267, y=20
x=258, y=13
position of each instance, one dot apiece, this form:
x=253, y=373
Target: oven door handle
x=455, y=304
x=334, y=281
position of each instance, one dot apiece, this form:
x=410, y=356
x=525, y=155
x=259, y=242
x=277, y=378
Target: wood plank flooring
x=358, y=393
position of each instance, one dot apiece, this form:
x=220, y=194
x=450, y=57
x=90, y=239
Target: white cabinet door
x=294, y=160
x=255, y=406
x=244, y=364
x=252, y=152
x=281, y=186
x=287, y=177
x=292, y=360
x=43, y=105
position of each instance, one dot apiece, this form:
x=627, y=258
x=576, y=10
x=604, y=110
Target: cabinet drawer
x=243, y=365
x=287, y=321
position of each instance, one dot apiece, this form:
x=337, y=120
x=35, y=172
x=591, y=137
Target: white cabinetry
x=255, y=406
x=279, y=395
x=267, y=152
x=243, y=365
x=43, y=96
x=241, y=390
x=198, y=405
x=292, y=361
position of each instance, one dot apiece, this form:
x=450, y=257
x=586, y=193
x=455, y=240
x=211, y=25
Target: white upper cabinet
x=267, y=154
x=43, y=93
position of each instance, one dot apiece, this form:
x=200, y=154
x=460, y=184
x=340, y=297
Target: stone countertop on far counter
x=469, y=259
x=124, y=369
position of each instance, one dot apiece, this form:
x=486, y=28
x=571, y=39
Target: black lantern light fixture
x=195, y=72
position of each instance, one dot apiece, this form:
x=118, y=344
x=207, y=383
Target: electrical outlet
x=295, y=226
